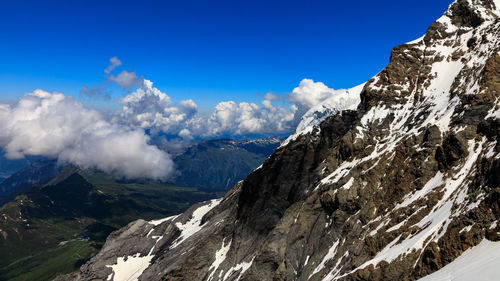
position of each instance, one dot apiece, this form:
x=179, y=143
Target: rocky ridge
x=394, y=190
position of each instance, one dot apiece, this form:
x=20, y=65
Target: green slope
x=82, y=208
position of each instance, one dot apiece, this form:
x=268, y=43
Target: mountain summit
x=405, y=185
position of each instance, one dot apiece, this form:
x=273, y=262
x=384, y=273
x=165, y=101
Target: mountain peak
x=395, y=187
x=471, y=13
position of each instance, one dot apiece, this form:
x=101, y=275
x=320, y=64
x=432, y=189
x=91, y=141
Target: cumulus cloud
x=245, y=118
x=189, y=107
x=54, y=125
x=271, y=96
x=238, y=118
x=124, y=79
x=249, y=118
x=309, y=94
x=114, y=62
x=149, y=108
x=186, y=134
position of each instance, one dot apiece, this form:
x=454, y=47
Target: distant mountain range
x=9, y=166
x=53, y=218
x=220, y=164
x=37, y=173
x=209, y=165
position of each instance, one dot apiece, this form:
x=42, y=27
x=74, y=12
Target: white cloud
x=149, y=108
x=271, y=96
x=309, y=94
x=249, y=118
x=186, y=134
x=114, y=62
x=124, y=79
x=122, y=152
x=230, y=118
x=54, y=125
x=189, y=107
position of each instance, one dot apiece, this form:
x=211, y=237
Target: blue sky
x=208, y=51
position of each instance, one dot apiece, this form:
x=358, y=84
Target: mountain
x=405, y=186
x=37, y=173
x=210, y=165
x=9, y=166
x=53, y=228
x=220, y=164
x=73, y=210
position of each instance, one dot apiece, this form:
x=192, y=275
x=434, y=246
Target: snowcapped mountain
x=402, y=186
x=344, y=100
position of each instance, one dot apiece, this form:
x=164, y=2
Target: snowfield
x=480, y=263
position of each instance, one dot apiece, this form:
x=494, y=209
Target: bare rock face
x=393, y=191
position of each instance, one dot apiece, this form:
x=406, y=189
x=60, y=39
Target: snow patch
x=433, y=225
x=160, y=221
x=242, y=267
x=307, y=260
x=450, y=27
x=480, y=263
x=436, y=181
x=334, y=273
x=465, y=229
x=194, y=224
x=418, y=40
x=220, y=256
x=331, y=253
x=493, y=225
x=348, y=184
x=131, y=267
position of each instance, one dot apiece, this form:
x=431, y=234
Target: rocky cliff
x=394, y=190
